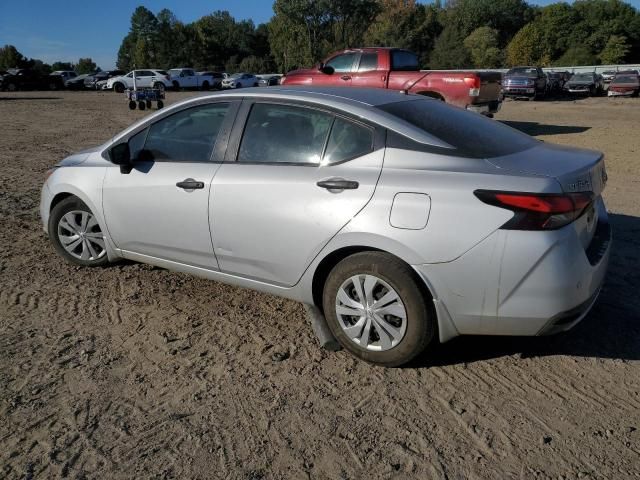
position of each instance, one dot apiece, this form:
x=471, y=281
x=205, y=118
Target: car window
x=284, y=134
x=404, y=61
x=186, y=136
x=347, y=140
x=342, y=63
x=130, y=75
x=136, y=143
x=472, y=135
x=368, y=62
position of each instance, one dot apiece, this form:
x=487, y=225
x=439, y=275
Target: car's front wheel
x=118, y=87
x=376, y=309
x=76, y=234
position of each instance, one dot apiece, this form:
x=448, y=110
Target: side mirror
x=327, y=69
x=121, y=155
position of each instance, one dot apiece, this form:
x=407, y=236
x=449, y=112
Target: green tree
x=86, y=65
x=615, y=50
x=62, y=66
x=505, y=16
x=449, y=51
x=482, y=45
x=253, y=64
x=394, y=24
x=527, y=47
x=10, y=57
x=140, y=43
x=577, y=55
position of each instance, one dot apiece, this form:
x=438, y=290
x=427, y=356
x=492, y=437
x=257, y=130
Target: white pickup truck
x=188, y=78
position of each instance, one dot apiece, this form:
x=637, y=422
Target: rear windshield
x=471, y=134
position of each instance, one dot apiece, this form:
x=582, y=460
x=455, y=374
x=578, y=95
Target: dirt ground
x=135, y=372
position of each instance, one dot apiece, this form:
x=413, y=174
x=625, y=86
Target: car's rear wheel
x=76, y=234
x=205, y=85
x=118, y=87
x=376, y=309
x=176, y=86
x=159, y=86
x=12, y=87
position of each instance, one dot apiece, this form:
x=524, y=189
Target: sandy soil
x=135, y=372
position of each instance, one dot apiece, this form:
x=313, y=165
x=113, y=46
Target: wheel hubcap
x=80, y=235
x=371, y=313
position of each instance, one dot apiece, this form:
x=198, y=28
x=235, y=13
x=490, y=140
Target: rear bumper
x=522, y=283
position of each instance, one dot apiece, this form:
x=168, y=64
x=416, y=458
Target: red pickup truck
x=398, y=69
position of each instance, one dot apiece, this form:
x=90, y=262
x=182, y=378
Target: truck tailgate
x=490, y=86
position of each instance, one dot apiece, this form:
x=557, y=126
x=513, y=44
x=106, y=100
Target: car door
x=143, y=78
x=189, y=79
x=343, y=66
x=160, y=208
x=293, y=177
x=367, y=74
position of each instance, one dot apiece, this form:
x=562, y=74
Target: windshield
x=472, y=135
x=523, y=71
x=583, y=77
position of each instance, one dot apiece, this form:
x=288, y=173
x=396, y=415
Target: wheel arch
x=330, y=260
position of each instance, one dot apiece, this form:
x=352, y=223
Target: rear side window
x=368, y=62
x=342, y=63
x=186, y=136
x=404, y=60
x=347, y=140
x=471, y=134
x=284, y=134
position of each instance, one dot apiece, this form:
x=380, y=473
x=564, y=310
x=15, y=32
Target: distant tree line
x=449, y=34
x=10, y=57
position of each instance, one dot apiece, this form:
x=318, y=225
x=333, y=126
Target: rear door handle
x=346, y=77
x=190, y=184
x=338, y=184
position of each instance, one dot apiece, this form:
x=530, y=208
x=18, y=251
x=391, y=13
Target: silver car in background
x=400, y=219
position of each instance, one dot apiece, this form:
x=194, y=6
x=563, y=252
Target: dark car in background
x=624, y=84
x=76, y=83
x=525, y=82
x=269, y=80
x=26, y=79
x=91, y=81
x=556, y=81
x=589, y=84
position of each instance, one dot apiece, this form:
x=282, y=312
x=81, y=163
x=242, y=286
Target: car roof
x=360, y=102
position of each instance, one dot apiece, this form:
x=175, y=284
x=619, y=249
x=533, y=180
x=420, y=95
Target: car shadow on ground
x=534, y=128
x=29, y=98
x=611, y=330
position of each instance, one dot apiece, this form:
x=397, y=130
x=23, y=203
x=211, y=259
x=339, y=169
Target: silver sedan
x=400, y=220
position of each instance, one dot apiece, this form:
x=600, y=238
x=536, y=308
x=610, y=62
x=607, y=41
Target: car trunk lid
x=576, y=170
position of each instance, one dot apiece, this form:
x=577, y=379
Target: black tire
x=66, y=206
x=132, y=105
x=159, y=86
x=238, y=85
x=118, y=87
x=141, y=105
x=205, y=85
x=160, y=104
x=176, y=85
x=12, y=87
x=148, y=104
x=420, y=316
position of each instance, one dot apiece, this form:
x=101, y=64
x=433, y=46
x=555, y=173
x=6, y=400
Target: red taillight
x=538, y=211
x=473, y=83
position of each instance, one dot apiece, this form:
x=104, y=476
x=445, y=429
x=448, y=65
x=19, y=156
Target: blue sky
x=69, y=29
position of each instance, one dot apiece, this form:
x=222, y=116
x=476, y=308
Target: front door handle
x=190, y=184
x=346, y=77
x=338, y=184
